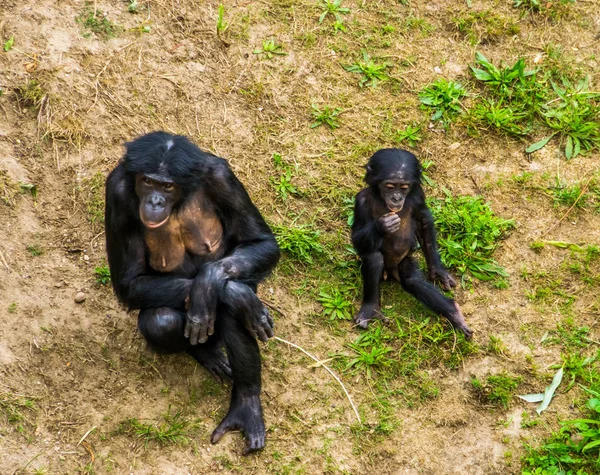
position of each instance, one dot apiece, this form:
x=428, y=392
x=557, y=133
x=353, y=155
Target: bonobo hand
x=389, y=223
x=441, y=275
x=259, y=322
x=202, y=307
x=244, y=302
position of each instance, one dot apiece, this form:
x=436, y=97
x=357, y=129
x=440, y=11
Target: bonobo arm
x=251, y=250
x=367, y=235
x=427, y=239
x=125, y=247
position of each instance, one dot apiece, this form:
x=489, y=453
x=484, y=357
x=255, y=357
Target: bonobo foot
x=213, y=359
x=245, y=414
x=368, y=312
x=457, y=320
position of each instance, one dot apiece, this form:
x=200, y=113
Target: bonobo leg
x=413, y=282
x=372, y=270
x=245, y=410
x=163, y=329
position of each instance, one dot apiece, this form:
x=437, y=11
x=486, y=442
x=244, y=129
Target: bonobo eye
x=146, y=181
x=390, y=186
x=168, y=187
x=404, y=187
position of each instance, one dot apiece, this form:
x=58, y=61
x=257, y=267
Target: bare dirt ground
x=71, y=98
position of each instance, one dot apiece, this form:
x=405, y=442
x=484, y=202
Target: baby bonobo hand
x=389, y=223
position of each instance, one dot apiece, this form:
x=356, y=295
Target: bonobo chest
x=193, y=230
x=398, y=245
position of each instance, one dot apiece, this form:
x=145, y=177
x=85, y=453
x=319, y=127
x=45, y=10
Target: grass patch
x=371, y=72
x=299, y=242
x=468, y=234
x=172, y=429
x=326, y=116
x=17, y=411
x=30, y=94
x=35, y=250
x=442, y=98
x=94, y=201
x=102, y=273
x=484, y=26
x=574, y=449
x=93, y=20
x=337, y=304
x=270, y=49
x=497, y=389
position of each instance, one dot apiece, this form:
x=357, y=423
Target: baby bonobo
x=390, y=217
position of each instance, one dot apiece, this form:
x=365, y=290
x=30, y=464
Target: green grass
x=497, y=389
x=442, y=99
x=102, y=274
x=18, y=411
x=573, y=449
x=95, y=21
x=337, y=305
x=371, y=72
x=334, y=9
x=270, y=49
x=468, y=234
x=520, y=102
x=327, y=116
x=30, y=94
x=484, y=26
x=35, y=250
x=172, y=429
x=95, y=198
x=299, y=242
x=411, y=135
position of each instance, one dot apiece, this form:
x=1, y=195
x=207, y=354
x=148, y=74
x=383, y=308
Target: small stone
x=86, y=258
x=79, y=297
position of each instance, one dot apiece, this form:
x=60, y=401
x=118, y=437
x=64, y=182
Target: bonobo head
x=392, y=173
x=158, y=194
x=164, y=169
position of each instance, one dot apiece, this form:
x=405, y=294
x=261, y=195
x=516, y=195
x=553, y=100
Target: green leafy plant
x=370, y=352
x=35, y=250
x=95, y=21
x=283, y=184
x=8, y=44
x=335, y=9
x=411, y=134
x=270, y=49
x=301, y=242
x=443, y=98
x=372, y=73
x=336, y=305
x=326, y=116
x=102, y=274
x=173, y=429
x=133, y=7
x=575, y=116
x=222, y=25
x=574, y=449
x=468, y=234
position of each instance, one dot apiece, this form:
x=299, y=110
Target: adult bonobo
x=390, y=217
x=187, y=246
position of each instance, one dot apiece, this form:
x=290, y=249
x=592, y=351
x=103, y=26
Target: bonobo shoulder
x=218, y=169
x=117, y=187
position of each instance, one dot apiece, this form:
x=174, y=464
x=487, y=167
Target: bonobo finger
x=260, y=333
x=270, y=320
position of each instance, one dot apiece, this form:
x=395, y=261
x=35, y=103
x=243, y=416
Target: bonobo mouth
x=151, y=225
x=394, y=209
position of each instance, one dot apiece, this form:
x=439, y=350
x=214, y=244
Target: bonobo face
x=158, y=195
x=394, y=192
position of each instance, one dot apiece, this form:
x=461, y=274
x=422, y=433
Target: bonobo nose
x=157, y=201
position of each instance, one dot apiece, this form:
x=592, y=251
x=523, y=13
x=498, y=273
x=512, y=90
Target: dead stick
x=328, y=370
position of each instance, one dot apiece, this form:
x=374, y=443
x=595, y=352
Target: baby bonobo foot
x=245, y=415
x=214, y=361
x=368, y=312
x=458, y=321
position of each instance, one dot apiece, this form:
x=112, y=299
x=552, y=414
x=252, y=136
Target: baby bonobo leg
x=372, y=270
x=413, y=282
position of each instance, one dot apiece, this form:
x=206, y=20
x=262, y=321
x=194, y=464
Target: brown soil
x=84, y=366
